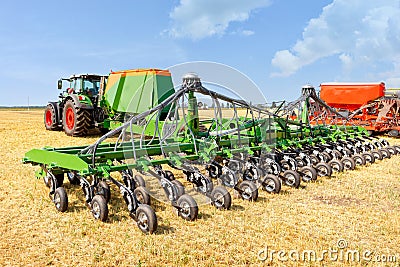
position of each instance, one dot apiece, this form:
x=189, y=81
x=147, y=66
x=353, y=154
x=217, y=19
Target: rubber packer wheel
x=348, y=163
x=221, y=198
x=308, y=174
x=323, y=169
x=377, y=154
x=336, y=165
x=146, y=219
x=188, y=207
x=99, y=208
x=385, y=153
x=369, y=158
x=291, y=178
x=60, y=199
x=76, y=121
x=179, y=187
x=104, y=189
x=271, y=184
x=139, y=180
x=358, y=159
x=392, y=150
x=248, y=190
x=141, y=195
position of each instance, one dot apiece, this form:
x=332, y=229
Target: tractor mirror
x=59, y=84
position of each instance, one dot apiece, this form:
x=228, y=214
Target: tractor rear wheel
x=76, y=121
x=50, y=118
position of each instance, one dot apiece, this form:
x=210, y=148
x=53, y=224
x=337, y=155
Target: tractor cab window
x=91, y=87
x=76, y=85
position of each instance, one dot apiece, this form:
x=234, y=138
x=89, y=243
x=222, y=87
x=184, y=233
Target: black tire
x=314, y=159
x=141, y=195
x=369, y=158
x=73, y=178
x=284, y=165
x=50, y=118
x=377, y=154
x=348, y=163
x=308, y=174
x=358, y=159
x=323, y=169
x=188, y=207
x=179, y=188
x=99, y=208
x=300, y=162
x=104, y=190
x=139, y=180
x=212, y=171
x=76, y=121
x=271, y=184
x=248, y=190
x=291, y=178
x=385, y=153
x=337, y=154
x=397, y=149
x=169, y=175
x=221, y=198
x=336, y=165
x=327, y=156
x=60, y=199
x=392, y=150
x=146, y=219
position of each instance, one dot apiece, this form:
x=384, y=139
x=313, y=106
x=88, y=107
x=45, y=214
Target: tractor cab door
x=91, y=87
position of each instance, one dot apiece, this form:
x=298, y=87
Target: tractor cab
x=83, y=84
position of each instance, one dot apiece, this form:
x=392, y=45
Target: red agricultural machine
x=368, y=105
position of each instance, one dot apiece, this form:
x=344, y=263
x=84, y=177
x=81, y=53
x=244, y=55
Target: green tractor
x=91, y=101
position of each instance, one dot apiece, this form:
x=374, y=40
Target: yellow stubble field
x=323, y=223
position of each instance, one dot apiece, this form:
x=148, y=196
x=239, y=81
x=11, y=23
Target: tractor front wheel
x=50, y=118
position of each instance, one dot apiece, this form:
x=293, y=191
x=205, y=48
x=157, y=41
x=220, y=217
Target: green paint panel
x=56, y=159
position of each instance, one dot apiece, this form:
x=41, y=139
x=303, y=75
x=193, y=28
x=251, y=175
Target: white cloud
x=247, y=32
x=356, y=31
x=198, y=19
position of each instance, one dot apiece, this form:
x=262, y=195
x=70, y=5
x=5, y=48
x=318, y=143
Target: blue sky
x=281, y=45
